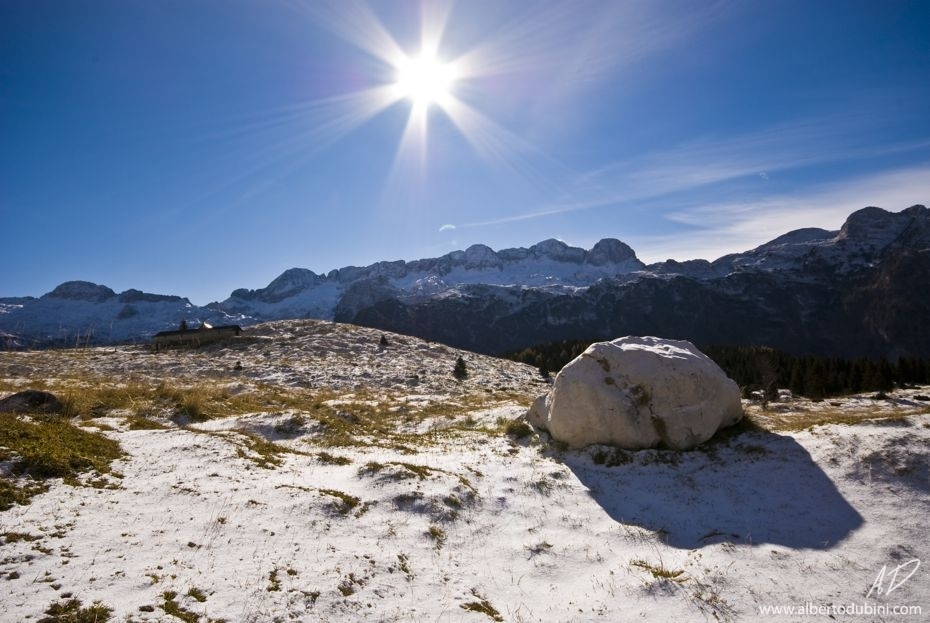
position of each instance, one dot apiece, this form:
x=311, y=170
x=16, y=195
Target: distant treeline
x=759, y=368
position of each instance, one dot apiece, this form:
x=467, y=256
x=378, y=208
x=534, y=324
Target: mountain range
x=854, y=292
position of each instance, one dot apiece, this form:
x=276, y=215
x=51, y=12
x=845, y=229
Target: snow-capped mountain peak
x=491, y=300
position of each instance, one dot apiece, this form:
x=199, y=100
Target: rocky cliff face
x=858, y=291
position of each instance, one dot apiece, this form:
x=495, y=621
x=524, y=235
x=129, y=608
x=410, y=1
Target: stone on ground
x=31, y=401
x=638, y=392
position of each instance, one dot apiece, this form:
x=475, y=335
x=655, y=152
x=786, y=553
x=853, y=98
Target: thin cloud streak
x=730, y=228
x=711, y=161
x=686, y=168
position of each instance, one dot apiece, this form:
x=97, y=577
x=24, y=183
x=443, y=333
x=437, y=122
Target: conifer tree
x=460, y=371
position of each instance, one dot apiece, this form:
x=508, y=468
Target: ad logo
x=879, y=586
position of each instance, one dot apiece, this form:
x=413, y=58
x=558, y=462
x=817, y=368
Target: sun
x=425, y=79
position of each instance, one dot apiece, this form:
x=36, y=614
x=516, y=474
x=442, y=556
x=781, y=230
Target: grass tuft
x=331, y=459
x=195, y=593
x=518, y=429
x=438, y=535
x=274, y=582
x=263, y=453
x=71, y=611
x=660, y=571
x=140, y=422
x=173, y=608
x=346, y=503
x=483, y=606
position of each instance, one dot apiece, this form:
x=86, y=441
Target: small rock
x=31, y=401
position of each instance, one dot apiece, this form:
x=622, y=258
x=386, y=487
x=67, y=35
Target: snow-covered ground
x=427, y=510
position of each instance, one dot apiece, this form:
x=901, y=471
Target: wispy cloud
x=762, y=153
x=725, y=228
x=712, y=169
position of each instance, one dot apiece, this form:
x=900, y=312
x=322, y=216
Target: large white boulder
x=638, y=392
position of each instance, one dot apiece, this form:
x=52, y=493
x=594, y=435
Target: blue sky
x=195, y=146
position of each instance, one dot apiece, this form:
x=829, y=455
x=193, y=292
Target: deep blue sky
x=195, y=146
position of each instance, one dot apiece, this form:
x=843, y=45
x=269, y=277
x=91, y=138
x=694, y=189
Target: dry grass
x=660, y=571
x=796, y=417
x=259, y=450
x=173, y=608
x=49, y=447
x=13, y=492
x=187, y=388
x=90, y=396
x=400, y=470
x=482, y=605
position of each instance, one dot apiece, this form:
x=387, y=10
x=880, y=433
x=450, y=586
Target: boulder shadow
x=751, y=487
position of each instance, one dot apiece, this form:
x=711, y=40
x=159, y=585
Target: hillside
x=307, y=471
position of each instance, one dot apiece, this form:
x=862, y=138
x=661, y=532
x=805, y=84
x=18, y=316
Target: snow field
x=361, y=495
